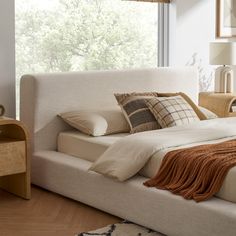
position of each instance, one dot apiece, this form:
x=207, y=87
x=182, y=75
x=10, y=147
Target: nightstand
x=14, y=158
x=222, y=104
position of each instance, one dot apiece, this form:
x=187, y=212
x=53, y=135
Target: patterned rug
x=124, y=228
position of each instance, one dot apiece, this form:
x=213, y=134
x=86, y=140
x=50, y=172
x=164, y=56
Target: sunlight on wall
x=194, y=28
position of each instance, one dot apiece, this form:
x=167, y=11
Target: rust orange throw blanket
x=197, y=172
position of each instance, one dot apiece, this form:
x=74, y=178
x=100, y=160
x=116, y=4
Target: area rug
x=124, y=228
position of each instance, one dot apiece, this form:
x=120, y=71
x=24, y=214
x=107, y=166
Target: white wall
x=192, y=27
x=7, y=56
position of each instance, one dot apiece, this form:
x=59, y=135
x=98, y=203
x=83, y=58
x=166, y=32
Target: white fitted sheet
x=90, y=148
x=84, y=146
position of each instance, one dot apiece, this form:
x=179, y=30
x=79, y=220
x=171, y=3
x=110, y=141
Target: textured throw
x=197, y=172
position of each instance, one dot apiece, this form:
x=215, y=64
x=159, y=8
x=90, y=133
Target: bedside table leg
x=18, y=184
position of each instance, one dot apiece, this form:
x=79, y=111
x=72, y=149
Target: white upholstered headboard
x=43, y=96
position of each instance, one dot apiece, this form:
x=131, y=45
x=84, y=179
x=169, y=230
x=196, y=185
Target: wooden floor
x=48, y=214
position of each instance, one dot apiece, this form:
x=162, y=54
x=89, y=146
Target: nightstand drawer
x=12, y=157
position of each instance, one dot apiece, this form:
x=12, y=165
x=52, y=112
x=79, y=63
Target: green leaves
x=84, y=35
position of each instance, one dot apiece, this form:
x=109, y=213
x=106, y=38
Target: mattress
x=86, y=147
x=90, y=148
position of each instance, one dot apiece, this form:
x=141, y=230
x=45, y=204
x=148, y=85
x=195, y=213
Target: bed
x=43, y=96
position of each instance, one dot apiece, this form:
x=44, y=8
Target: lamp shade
x=223, y=53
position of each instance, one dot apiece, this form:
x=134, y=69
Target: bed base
x=44, y=96
x=167, y=213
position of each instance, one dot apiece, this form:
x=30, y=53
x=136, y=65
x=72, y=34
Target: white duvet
x=128, y=156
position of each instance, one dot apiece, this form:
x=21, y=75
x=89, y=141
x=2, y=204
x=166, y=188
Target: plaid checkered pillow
x=171, y=111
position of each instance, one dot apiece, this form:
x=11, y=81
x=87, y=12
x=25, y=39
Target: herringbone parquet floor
x=48, y=214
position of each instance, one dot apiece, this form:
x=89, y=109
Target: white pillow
x=209, y=114
x=97, y=123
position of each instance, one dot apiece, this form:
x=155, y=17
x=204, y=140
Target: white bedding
x=91, y=148
x=145, y=150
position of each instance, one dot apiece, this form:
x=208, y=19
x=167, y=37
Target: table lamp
x=224, y=54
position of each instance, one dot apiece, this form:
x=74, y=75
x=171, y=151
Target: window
x=69, y=35
x=75, y=35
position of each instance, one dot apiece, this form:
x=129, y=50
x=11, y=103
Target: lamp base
x=224, y=80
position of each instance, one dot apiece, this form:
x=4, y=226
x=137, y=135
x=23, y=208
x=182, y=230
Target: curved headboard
x=43, y=96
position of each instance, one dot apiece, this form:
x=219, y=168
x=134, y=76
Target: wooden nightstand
x=14, y=158
x=220, y=103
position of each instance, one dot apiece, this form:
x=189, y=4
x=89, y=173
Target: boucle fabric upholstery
x=43, y=96
x=156, y=209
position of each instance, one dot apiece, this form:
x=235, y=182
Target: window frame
x=163, y=35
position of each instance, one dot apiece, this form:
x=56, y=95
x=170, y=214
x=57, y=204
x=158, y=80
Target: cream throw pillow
x=97, y=123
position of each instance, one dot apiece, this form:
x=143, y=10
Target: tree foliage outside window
x=75, y=35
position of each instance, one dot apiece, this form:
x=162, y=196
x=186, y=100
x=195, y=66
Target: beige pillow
x=172, y=111
x=97, y=123
x=136, y=112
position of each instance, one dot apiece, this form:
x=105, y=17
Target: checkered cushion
x=171, y=111
x=136, y=112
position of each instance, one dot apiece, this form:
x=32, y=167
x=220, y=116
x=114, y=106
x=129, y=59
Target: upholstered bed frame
x=43, y=96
